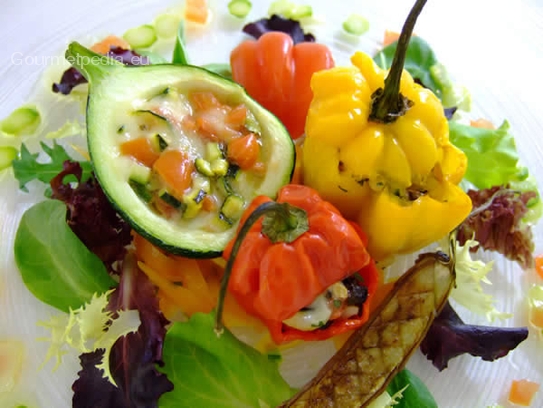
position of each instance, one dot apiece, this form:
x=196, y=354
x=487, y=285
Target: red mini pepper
x=277, y=74
x=280, y=263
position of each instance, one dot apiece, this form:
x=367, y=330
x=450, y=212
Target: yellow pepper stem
x=389, y=104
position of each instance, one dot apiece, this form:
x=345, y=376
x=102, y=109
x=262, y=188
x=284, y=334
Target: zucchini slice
x=116, y=92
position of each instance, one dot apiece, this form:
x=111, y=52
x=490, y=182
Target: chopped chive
x=166, y=25
x=239, y=8
x=7, y=155
x=274, y=357
x=23, y=120
x=140, y=37
x=356, y=24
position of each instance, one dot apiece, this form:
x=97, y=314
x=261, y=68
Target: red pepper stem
x=388, y=104
x=282, y=223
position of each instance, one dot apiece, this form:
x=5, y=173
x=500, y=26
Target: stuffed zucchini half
x=180, y=151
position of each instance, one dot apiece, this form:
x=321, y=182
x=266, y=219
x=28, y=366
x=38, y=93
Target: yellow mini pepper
x=378, y=149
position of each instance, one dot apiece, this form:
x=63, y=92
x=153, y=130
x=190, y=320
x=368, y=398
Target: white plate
x=494, y=47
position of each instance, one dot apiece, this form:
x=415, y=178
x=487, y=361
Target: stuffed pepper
x=377, y=147
x=300, y=267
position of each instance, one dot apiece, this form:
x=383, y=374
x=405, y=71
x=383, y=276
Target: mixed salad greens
x=136, y=346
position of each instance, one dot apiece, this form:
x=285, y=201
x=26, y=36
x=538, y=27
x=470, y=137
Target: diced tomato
x=390, y=37
x=213, y=122
x=189, y=123
x=204, y=100
x=103, y=47
x=175, y=168
x=244, y=151
x=237, y=116
x=539, y=265
x=482, y=123
x=209, y=203
x=141, y=149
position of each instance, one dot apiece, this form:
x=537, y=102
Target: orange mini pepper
x=277, y=73
x=290, y=251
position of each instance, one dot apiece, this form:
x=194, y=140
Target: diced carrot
x=204, y=100
x=522, y=392
x=390, y=37
x=196, y=11
x=539, y=265
x=244, y=151
x=482, y=123
x=141, y=149
x=175, y=168
x=103, y=47
x=237, y=116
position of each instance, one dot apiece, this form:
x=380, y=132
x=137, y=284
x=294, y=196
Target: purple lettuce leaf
x=134, y=357
x=91, y=216
x=498, y=225
x=278, y=23
x=72, y=77
x=449, y=337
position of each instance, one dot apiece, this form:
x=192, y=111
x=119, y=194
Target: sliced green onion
x=289, y=9
x=166, y=25
x=23, y=120
x=7, y=155
x=301, y=12
x=356, y=24
x=239, y=8
x=141, y=37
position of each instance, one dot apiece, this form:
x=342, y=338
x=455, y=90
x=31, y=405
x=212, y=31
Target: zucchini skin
x=191, y=244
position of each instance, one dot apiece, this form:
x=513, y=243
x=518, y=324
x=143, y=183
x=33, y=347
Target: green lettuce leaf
x=470, y=274
x=89, y=328
x=414, y=391
x=419, y=59
x=219, y=372
x=421, y=62
x=27, y=167
x=492, y=154
x=54, y=264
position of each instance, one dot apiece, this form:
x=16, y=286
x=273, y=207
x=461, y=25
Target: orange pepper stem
x=389, y=104
x=282, y=223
